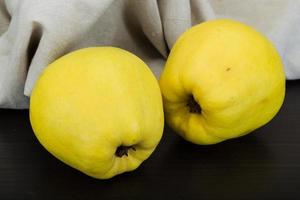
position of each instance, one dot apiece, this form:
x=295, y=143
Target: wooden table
x=262, y=165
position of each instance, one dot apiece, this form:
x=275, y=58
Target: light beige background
x=33, y=33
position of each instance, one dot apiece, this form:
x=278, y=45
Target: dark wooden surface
x=261, y=165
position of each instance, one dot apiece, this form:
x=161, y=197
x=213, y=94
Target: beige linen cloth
x=33, y=33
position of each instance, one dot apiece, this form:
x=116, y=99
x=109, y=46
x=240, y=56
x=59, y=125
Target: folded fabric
x=35, y=33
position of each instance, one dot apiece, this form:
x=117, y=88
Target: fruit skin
x=91, y=101
x=233, y=72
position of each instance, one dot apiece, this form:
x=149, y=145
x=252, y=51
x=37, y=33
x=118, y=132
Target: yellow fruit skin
x=233, y=72
x=93, y=100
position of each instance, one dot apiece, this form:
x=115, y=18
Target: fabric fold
x=35, y=33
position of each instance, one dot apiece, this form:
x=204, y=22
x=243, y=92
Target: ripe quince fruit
x=98, y=110
x=222, y=80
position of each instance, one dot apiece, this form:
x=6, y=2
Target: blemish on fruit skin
x=264, y=101
x=228, y=69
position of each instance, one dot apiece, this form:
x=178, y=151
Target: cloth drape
x=33, y=33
